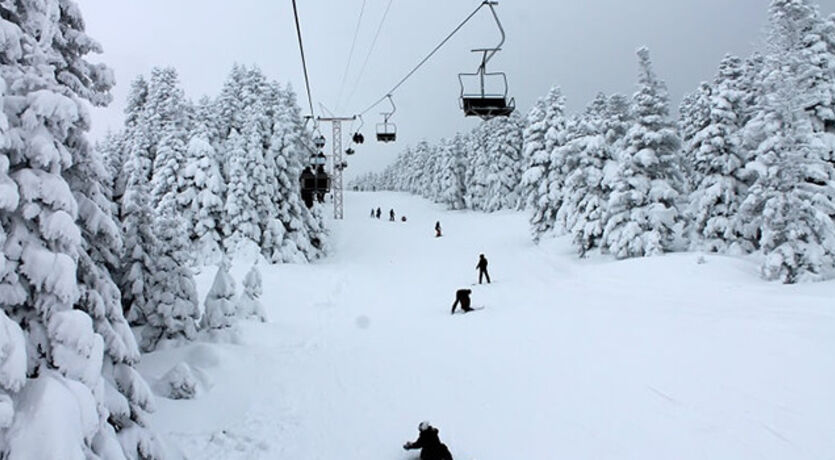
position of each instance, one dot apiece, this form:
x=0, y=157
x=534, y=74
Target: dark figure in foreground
x=378, y=213
x=430, y=444
x=438, y=229
x=462, y=296
x=482, y=269
x=391, y=215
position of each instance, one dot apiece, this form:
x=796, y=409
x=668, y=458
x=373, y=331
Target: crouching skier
x=462, y=296
x=430, y=444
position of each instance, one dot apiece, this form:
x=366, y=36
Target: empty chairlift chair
x=483, y=93
x=387, y=131
x=482, y=102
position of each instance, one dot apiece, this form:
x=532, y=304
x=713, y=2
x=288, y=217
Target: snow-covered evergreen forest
x=748, y=167
x=100, y=243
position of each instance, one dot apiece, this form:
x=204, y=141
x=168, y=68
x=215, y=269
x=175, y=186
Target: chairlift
x=349, y=151
x=386, y=131
x=487, y=98
x=319, y=142
x=358, y=138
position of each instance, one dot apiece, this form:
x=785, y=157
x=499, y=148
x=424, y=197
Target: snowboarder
x=482, y=268
x=462, y=296
x=438, y=229
x=391, y=215
x=378, y=213
x=403, y=219
x=430, y=444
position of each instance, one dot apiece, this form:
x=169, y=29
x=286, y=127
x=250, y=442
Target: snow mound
x=178, y=383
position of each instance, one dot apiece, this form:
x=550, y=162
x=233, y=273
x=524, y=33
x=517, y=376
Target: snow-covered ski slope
x=660, y=358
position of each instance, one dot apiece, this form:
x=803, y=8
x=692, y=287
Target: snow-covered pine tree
x=504, y=147
x=138, y=266
x=809, y=37
x=174, y=310
x=249, y=305
x=204, y=189
x=113, y=152
x=220, y=301
x=643, y=215
x=260, y=178
x=565, y=159
x=166, y=185
x=694, y=116
x=229, y=105
x=165, y=109
x=419, y=174
x=206, y=121
x=478, y=168
x=545, y=129
x=717, y=157
x=166, y=118
x=240, y=222
x=788, y=208
x=68, y=358
x=585, y=194
x=453, y=170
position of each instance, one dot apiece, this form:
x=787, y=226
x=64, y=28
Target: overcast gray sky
x=584, y=46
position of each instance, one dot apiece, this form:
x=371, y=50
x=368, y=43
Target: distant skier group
x=376, y=213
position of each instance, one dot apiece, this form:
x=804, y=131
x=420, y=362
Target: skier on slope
x=482, y=268
x=462, y=296
x=391, y=215
x=378, y=213
x=430, y=444
x=438, y=229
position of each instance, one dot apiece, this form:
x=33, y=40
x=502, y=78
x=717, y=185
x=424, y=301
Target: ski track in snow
x=580, y=359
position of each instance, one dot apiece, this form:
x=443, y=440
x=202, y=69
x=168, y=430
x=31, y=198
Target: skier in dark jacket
x=391, y=215
x=438, y=229
x=430, y=444
x=378, y=213
x=482, y=268
x=462, y=296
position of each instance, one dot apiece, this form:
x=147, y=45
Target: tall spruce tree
x=71, y=379
x=643, y=215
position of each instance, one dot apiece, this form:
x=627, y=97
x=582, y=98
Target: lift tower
x=338, y=164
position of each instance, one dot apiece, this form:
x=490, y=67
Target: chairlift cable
x=423, y=61
x=350, y=57
x=304, y=61
x=368, y=56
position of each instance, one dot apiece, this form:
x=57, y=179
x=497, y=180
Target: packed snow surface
x=680, y=356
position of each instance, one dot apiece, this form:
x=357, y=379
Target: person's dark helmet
x=424, y=425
